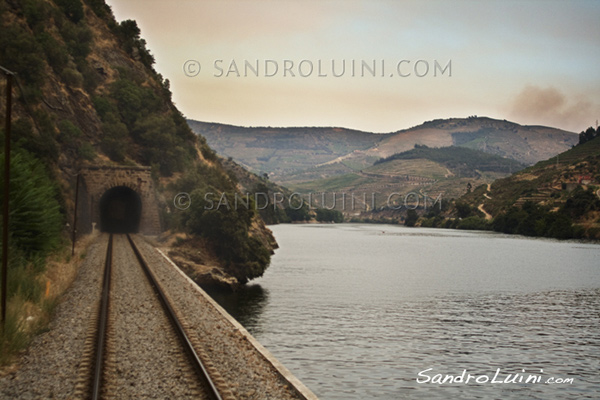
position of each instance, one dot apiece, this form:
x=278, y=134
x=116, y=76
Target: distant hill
x=526, y=144
x=447, y=171
x=282, y=151
x=295, y=155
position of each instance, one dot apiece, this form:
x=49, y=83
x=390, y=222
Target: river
x=360, y=311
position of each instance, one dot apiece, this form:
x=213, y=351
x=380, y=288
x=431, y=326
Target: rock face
x=208, y=277
x=197, y=259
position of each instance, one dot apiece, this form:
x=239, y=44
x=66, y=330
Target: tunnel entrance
x=120, y=210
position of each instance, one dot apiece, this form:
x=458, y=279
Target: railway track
x=138, y=346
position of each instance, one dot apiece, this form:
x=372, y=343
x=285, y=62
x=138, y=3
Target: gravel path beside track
x=49, y=369
x=247, y=373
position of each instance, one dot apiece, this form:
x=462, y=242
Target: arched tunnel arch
x=120, y=210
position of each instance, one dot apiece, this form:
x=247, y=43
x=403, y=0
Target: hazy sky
x=532, y=62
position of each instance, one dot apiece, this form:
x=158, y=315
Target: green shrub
x=72, y=77
x=581, y=202
x=86, y=151
x=69, y=133
x=36, y=12
x=73, y=9
x=474, y=223
x=326, y=215
x=535, y=220
x=78, y=38
x=228, y=228
x=104, y=107
x=100, y=8
x=91, y=78
x=296, y=213
x=115, y=140
x=35, y=219
x=20, y=53
x=56, y=53
x=411, y=218
x=463, y=210
x=129, y=34
x=43, y=146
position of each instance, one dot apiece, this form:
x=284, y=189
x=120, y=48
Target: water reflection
x=246, y=305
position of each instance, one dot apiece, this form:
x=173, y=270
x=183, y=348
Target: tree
x=326, y=215
x=296, y=213
x=587, y=135
x=228, y=229
x=72, y=9
x=581, y=202
x=463, y=210
x=411, y=218
x=35, y=218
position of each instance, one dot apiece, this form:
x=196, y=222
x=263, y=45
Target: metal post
x=9, y=78
x=75, y=216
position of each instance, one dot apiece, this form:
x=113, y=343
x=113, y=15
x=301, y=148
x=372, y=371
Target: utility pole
x=9, y=79
x=75, y=216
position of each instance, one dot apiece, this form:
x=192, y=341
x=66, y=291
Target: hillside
x=464, y=161
x=558, y=197
x=548, y=182
x=86, y=93
x=279, y=152
x=446, y=172
x=526, y=144
x=296, y=155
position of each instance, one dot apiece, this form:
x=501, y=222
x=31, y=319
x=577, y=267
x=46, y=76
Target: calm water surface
x=358, y=311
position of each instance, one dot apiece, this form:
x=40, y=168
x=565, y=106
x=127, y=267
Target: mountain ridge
x=283, y=155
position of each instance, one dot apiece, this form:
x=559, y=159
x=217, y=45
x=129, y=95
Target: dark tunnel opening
x=120, y=210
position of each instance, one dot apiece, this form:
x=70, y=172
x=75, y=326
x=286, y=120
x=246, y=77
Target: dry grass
x=25, y=318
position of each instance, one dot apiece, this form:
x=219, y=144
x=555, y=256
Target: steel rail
x=185, y=341
x=102, y=323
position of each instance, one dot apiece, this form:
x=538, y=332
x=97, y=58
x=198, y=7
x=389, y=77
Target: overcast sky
x=272, y=62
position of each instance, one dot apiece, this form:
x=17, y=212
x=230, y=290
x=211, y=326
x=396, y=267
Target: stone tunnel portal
x=120, y=210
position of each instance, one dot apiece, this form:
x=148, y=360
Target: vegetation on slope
x=293, y=156
x=462, y=160
x=86, y=93
x=556, y=198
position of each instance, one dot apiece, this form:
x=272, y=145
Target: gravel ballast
x=49, y=369
x=51, y=365
x=246, y=370
x=145, y=357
